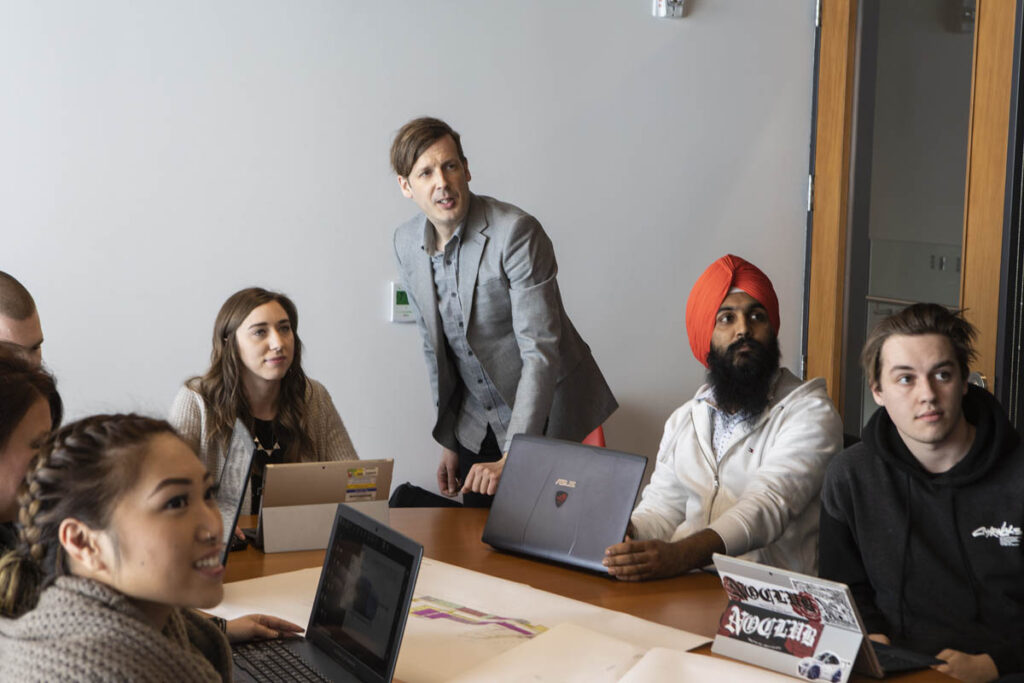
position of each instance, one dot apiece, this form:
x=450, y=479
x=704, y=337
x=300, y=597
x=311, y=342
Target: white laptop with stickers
x=800, y=625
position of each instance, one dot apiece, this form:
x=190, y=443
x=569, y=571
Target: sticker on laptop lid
x=771, y=618
x=793, y=626
x=835, y=608
x=361, y=472
x=362, y=484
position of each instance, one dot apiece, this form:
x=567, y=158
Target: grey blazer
x=516, y=326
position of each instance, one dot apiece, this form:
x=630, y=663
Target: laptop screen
x=360, y=605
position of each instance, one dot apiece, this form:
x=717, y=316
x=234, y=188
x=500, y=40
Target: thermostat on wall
x=668, y=9
x=401, y=309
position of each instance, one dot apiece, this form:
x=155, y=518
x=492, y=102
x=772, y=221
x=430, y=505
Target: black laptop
x=359, y=614
x=563, y=501
x=230, y=498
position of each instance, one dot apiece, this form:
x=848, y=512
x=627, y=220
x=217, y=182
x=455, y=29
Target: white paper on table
x=661, y=665
x=564, y=654
x=440, y=649
x=288, y=596
x=437, y=650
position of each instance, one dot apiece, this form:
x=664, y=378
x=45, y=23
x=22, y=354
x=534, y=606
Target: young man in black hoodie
x=923, y=518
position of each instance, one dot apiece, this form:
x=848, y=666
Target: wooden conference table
x=693, y=602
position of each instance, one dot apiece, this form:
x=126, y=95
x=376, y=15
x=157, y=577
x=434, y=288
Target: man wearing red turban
x=740, y=466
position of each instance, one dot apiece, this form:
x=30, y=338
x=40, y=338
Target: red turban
x=710, y=291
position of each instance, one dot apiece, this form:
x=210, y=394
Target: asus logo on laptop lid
x=560, y=496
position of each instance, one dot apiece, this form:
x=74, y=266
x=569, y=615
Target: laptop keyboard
x=895, y=659
x=271, y=661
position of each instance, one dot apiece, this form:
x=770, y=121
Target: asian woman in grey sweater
x=119, y=541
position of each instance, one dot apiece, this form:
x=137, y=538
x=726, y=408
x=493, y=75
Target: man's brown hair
x=15, y=301
x=917, y=320
x=414, y=138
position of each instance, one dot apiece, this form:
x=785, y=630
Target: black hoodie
x=933, y=560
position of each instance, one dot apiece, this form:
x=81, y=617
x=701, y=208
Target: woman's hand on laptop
x=483, y=477
x=260, y=627
x=879, y=638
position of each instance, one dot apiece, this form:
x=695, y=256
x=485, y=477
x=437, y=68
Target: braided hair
x=81, y=471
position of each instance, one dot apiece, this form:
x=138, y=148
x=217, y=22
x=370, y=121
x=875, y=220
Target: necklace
x=259, y=444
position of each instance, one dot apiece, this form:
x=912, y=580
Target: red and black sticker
x=771, y=630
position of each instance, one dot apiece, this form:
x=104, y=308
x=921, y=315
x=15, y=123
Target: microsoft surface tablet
x=800, y=625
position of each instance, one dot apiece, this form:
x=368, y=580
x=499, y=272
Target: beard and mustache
x=743, y=383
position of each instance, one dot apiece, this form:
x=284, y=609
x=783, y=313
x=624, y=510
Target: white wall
x=157, y=156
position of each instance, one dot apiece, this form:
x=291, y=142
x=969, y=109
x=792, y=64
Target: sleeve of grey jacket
x=428, y=350
x=529, y=263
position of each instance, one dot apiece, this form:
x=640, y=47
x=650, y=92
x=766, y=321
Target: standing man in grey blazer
x=502, y=355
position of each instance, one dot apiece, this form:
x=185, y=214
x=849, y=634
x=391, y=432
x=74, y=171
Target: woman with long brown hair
x=255, y=402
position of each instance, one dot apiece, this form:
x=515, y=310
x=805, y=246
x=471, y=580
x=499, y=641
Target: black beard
x=743, y=384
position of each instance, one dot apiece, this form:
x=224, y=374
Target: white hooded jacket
x=763, y=495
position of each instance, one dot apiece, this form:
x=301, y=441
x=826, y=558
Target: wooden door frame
x=829, y=203
x=985, y=187
x=982, y=255
x=1010, y=348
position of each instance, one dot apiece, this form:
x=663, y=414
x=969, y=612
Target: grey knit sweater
x=83, y=630
x=326, y=430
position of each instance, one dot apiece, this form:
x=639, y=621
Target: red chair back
x=596, y=437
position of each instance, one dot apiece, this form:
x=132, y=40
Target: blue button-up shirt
x=482, y=405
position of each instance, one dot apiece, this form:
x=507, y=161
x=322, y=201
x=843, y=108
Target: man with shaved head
x=19, y=320
x=740, y=466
